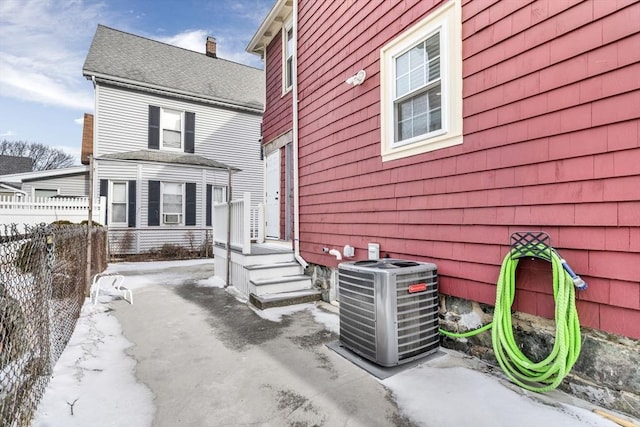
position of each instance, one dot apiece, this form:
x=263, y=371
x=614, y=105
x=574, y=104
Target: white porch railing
x=27, y=210
x=247, y=223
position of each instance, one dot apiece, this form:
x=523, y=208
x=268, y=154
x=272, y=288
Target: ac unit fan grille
x=358, y=312
x=417, y=314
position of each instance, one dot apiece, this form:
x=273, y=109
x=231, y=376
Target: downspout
x=294, y=126
x=228, y=278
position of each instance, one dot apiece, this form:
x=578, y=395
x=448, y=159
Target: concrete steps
x=281, y=284
x=284, y=298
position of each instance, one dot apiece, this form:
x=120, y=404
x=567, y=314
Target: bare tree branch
x=43, y=156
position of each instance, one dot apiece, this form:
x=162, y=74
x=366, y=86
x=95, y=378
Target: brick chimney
x=211, y=47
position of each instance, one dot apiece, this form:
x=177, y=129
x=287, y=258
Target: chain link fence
x=42, y=289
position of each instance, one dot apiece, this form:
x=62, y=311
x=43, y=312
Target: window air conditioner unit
x=172, y=218
x=389, y=309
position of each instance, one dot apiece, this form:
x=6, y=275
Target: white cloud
x=190, y=39
x=42, y=48
x=7, y=134
x=79, y=121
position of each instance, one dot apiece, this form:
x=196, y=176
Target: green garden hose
x=547, y=374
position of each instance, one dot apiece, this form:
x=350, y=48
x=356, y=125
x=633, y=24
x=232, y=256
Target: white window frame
x=163, y=111
x=163, y=213
x=446, y=20
x=126, y=203
x=288, y=26
x=224, y=194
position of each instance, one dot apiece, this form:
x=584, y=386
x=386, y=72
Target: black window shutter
x=154, y=127
x=209, y=206
x=189, y=132
x=104, y=192
x=132, y=204
x=153, y=214
x=190, y=207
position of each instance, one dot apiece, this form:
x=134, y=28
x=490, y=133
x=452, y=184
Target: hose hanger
x=537, y=244
x=546, y=374
x=526, y=244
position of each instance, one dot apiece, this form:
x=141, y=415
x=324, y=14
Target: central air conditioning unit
x=389, y=309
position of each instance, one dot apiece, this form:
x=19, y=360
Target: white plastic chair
x=116, y=281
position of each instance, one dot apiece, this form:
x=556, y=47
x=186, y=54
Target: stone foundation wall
x=606, y=373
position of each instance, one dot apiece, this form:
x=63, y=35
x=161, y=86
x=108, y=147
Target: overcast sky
x=43, y=44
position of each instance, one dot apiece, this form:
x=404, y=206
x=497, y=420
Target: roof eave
x=261, y=39
x=119, y=81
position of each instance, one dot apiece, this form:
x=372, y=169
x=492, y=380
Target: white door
x=272, y=195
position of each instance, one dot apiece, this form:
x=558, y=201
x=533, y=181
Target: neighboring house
x=11, y=190
x=475, y=119
x=170, y=125
x=15, y=164
x=65, y=182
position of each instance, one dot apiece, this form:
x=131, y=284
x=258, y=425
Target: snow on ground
x=96, y=377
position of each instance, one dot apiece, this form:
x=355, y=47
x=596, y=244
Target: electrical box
x=374, y=250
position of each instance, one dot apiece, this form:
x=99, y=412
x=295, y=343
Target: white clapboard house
x=169, y=127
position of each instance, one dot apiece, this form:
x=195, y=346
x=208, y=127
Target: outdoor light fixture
x=357, y=78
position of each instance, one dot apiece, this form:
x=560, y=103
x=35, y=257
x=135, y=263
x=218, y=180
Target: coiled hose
x=547, y=374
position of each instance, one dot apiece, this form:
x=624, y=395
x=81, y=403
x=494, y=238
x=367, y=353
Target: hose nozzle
x=580, y=284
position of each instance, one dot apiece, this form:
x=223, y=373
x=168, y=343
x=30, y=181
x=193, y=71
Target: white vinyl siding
x=69, y=185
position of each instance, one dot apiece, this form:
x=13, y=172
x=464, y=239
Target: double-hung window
x=288, y=47
x=172, y=203
x=118, y=203
x=421, y=86
x=171, y=122
x=171, y=129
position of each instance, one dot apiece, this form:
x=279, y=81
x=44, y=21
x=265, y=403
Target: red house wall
x=278, y=109
x=551, y=101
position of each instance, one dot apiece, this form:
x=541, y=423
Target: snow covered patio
x=189, y=353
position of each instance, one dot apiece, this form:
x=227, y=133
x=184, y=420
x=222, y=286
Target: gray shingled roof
x=122, y=57
x=15, y=164
x=168, y=157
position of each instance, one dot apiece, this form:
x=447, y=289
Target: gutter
x=161, y=90
x=294, y=126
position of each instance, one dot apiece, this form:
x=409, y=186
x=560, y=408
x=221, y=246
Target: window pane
x=420, y=124
x=402, y=85
x=435, y=120
x=172, y=198
x=218, y=195
x=171, y=120
x=435, y=97
x=118, y=212
x=417, y=78
x=119, y=192
x=171, y=139
x=416, y=56
x=402, y=64
x=434, y=70
x=432, y=47
x=405, y=110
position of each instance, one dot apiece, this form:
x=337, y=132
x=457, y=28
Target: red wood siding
x=551, y=142
x=278, y=113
